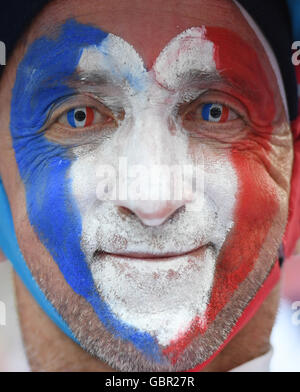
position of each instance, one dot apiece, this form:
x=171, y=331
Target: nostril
x=160, y=216
x=176, y=213
x=125, y=211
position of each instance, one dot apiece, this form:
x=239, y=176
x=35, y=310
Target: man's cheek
x=256, y=207
x=54, y=215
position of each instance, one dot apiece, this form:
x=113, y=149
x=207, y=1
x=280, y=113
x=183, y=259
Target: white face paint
x=161, y=296
x=189, y=51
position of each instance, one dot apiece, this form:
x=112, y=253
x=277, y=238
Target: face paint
x=256, y=199
x=157, y=306
x=150, y=294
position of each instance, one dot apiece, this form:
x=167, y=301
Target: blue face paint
x=9, y=246
x=41, y=81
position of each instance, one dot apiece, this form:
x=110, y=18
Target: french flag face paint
x=155, y=288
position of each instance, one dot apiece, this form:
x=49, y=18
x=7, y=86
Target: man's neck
x=48, y=349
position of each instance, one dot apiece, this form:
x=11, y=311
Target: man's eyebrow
x=97, y=81
x=91, y=78
x=199, y=76
x=104, y=77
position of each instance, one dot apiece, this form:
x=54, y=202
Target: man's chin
x=158, y=297
x=188, y=347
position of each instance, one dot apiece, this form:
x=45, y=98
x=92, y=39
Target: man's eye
x=212, y=112
x=83, y=117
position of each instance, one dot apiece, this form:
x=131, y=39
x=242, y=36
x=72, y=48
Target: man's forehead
x=234, y=48
x=148, y=26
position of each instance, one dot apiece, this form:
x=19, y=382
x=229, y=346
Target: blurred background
x=286, y=333
x=12, y=356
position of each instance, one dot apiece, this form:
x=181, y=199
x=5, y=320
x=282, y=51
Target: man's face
x=147, y=283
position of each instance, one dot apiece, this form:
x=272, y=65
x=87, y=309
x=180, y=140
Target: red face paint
x=257, y=203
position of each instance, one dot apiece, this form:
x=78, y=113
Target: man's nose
x=155, y=155
x=151, y=213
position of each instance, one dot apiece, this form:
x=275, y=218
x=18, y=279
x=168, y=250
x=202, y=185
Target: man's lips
x=167, y=256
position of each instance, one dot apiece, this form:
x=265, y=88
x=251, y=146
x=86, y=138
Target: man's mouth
x=158, y=293
x=146, y=256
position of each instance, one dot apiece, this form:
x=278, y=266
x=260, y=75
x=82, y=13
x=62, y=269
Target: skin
x=275, y=162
